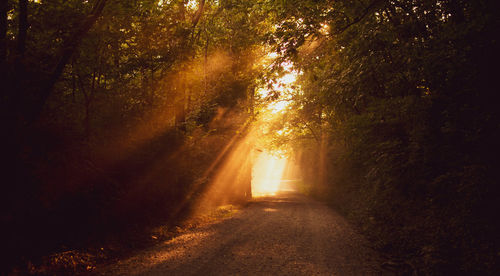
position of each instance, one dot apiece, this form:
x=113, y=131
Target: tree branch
x=69, y=47
x=356, y=20
x=198, y=13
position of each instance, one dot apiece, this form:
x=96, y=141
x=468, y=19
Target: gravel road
x=287, y=234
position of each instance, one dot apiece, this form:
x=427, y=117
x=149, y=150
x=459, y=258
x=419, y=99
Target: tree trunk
x=205, y=76
x=199, y=13
x=180, y=104
x=3, y=32
x=22, y=28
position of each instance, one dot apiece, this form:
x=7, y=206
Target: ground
x=287, y=234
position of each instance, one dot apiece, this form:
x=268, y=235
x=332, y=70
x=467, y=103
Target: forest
x=121, y=115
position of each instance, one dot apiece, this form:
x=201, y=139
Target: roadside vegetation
x=117, y=115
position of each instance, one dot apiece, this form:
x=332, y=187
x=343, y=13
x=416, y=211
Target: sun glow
x=191, y=4
x=241, y=172
x=289, y=78
x=276, y=107
x=281, y=88
x=266, y=174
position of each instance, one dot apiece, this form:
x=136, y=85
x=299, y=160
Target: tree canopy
x=121, y=112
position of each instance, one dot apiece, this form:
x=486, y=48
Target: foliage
x=396, y=96
x=114, y=111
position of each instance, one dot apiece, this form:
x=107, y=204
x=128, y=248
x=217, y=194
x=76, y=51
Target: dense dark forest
x=118, y=115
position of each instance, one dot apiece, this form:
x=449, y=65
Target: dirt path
x=281, y=235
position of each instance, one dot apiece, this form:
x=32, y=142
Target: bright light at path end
x=266, y=174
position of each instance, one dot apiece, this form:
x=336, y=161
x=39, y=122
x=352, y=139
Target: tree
x=402, y=89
